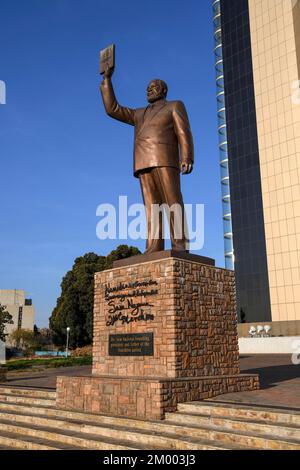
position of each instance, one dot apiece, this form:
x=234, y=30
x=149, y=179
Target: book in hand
x=107, y=58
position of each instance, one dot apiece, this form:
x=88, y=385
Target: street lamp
x=67, y=347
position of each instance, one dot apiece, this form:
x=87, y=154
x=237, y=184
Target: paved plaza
x=279, y=378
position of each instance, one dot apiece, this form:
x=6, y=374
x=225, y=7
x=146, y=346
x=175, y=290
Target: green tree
x=5, y=319
x=122, y=252
x=74, y=307
x=24, y=339
x=43, y=339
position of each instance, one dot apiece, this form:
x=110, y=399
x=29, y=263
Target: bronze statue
x=163, y=146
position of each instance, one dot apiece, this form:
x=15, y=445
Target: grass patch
x=21, y=364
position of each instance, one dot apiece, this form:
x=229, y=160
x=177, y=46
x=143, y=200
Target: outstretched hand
x=186, y=168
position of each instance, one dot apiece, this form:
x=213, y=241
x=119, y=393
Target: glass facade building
x=257, y=50
x=244, y=181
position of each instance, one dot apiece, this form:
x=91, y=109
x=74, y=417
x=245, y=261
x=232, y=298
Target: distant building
x=19, y=307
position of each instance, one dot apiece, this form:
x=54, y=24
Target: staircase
x=30, y=420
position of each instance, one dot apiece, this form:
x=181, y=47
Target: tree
x=122, y=252
x=23, y=338
x=5, y=319
x=74, y=307
x=43, y=338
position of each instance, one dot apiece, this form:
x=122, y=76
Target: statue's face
x=155, y=91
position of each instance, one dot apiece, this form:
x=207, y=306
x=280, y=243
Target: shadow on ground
x=270, y=376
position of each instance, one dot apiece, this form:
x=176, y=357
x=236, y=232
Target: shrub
x=81, y=352
x=21, y=364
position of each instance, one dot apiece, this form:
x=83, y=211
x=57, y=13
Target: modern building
x=19, y=307
x=257, y=49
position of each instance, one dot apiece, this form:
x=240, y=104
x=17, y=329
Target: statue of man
x=163, y=147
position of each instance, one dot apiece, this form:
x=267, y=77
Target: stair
x=29, y=419
x=254, y=426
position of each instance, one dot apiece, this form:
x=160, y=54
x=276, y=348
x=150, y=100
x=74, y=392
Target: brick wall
x=194, y=326
x=143, y=399
x=189, y=308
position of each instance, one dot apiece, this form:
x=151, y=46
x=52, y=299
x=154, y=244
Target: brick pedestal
x=183, y=313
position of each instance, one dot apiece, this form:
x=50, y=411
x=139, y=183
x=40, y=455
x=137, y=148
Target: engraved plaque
x=107, y=58
x=137, y=344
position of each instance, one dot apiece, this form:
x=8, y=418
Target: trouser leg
x=151, y=196
x=167, y=181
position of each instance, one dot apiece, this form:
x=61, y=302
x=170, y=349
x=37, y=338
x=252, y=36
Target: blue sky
x=61, y=156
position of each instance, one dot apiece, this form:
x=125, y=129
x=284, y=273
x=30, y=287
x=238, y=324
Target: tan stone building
x=19, y=307
x=258, y=44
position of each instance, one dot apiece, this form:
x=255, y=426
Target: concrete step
x=247, y=439
x=23, y=399
x=278, y=431
x=28, y=392
x=148, y=439
x=63, y=439
x=171, y=435
x=28, y=414
x=181, y=430
x=239, y=411
x=9, y=441
x=29, y=417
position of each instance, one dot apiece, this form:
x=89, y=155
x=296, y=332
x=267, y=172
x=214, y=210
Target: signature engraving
x=129, y=285
x=135, y=307
x=126, y=319
x=123, y=307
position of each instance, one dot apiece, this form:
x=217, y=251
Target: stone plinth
x=145, y=398
x=185, y=347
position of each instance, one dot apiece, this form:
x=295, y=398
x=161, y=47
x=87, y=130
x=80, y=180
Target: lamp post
x=67, y=347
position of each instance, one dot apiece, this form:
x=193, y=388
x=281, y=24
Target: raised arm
x=185, y=138
x=111, y=105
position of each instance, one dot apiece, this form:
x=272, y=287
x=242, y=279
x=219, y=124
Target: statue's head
x=156, y=90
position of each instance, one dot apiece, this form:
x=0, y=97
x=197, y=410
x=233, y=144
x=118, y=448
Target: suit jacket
x=162, y=136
